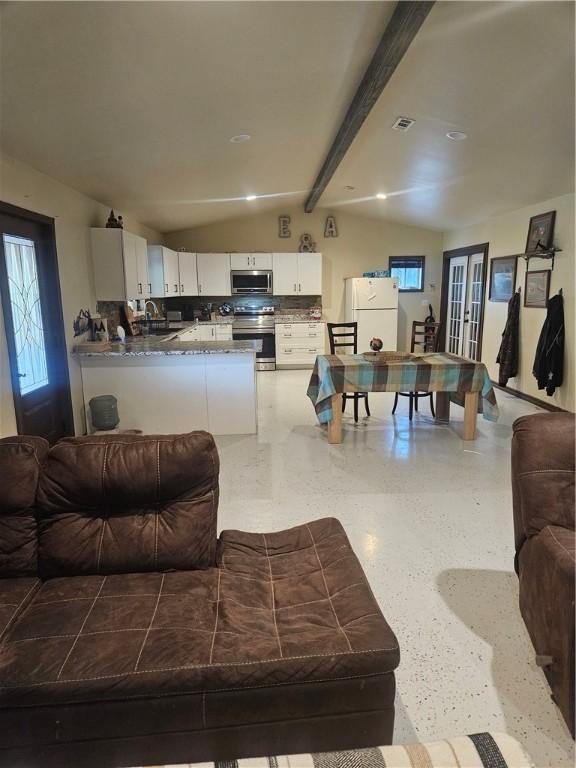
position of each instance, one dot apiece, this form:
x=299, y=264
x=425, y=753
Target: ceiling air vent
x=403, y=124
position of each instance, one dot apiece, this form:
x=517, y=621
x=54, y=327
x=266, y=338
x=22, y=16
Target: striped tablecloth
x=432, y=372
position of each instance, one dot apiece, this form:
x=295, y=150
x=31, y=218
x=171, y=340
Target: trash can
x=104, y=412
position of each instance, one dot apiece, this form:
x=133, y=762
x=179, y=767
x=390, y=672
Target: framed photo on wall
x=502, y=278
x=537, y=289
x=541, y=232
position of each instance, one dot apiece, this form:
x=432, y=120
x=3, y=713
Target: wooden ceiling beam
x=402, y=28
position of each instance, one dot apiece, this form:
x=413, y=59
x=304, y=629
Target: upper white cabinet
x=164, y=273
x=251, y=261
x=261, y=261
x=120, y=262
x=188, y=277
x=310, y=274
x=213, y=274
x=285, y=274
x=241, y=261
x=297, y=274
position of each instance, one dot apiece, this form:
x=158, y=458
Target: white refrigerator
x=372, y=302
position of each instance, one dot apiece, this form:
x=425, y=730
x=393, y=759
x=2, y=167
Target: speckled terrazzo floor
x=431, y=519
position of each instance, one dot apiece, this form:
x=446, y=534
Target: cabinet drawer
x=299, y=352
x=300, y=330
x=316, y=343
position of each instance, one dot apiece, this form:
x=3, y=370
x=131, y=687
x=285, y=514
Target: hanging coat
x=549, y=361
x=508, y=354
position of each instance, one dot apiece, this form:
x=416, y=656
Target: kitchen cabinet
x=261, y=261
x=213, y=274
x=223, y=331
x=297, y=274
x=120, y=262
x=208, y=332
x=241, y=261
x=188, y=283
x=310, y=274
x=251, y=261
x=164, y=273
x=298, y=344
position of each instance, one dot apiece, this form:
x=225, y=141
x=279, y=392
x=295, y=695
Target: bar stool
x=338, y=331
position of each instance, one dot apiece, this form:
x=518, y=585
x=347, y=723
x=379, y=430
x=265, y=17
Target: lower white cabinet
x=208, y=332
x=298, y=344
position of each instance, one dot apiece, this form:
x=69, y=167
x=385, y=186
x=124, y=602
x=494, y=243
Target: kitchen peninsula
x=170, y=385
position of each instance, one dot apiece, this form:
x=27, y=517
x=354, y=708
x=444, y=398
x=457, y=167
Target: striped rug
x=480, y=750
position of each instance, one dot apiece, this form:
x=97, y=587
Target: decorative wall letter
x=284, y=226
x=307, y=245
x=330, y=229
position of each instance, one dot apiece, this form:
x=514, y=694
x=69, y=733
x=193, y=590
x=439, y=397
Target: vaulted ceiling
x=134, y=104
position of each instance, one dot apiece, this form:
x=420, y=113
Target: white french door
x=465, y=298
x=457, y=284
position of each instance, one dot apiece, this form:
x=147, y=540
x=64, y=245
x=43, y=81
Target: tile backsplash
x=187, y=305
x=110, y=310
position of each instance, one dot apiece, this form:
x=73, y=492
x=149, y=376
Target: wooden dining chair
x=348, y=331
x=425, y=336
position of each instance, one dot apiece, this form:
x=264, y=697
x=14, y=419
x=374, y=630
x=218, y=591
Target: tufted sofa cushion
x=20, y=460
x=128, y=504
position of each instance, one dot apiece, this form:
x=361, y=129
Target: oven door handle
x=253, y=331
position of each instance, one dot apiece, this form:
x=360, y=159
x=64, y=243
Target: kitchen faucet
x=156, y=313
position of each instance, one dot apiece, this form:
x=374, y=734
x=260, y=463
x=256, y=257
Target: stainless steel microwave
x=250, y=281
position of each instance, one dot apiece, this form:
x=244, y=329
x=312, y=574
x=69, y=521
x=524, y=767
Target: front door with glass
x=31, y=307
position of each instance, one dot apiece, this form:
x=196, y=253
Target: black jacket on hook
x=508, y=353
x=549, y=361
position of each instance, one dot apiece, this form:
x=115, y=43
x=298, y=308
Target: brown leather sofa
x=131, y=635
x=543, y=492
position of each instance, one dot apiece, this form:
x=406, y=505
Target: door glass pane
x=26, y=313
x=455, y=308
x=475, y=308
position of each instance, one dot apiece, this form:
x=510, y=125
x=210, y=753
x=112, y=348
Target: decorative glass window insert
x=409, y=270
x=26, y=313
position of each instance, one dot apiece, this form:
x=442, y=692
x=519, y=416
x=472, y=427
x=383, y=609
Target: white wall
x=74, y=214
x=506, y=235
x=362, y=244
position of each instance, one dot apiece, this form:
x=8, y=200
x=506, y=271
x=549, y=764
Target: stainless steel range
x=257, y=323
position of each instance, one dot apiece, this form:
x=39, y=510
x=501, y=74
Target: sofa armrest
x=542, y=473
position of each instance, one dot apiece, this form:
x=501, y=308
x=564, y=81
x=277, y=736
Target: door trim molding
x=468, y=250
x=56, y=317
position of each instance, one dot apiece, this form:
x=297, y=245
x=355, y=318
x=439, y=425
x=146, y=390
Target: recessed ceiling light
x=251, y=197
x=456, y=135
x=381, y=196
x=240, y=138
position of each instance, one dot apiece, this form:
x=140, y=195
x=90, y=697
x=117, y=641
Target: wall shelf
x=544, y=253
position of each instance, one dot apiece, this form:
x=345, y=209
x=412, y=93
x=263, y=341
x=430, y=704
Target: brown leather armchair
x=543, y=494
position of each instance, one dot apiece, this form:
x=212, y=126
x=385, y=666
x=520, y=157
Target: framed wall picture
x=537, y=289
x=541, y=232
x=502, y=278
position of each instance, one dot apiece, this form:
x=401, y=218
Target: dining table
x=453, y=379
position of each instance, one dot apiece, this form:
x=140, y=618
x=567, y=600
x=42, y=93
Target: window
x=26, y=313
x=409, y=270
